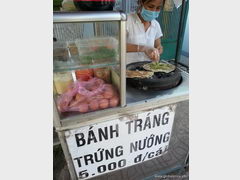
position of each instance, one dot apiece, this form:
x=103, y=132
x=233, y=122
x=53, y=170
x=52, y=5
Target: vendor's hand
x=152, y=53
x=160, y=49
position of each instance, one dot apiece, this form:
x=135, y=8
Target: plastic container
x=97, y=50
x=103, y=73
x=62, y=80
x=60, y=51
x=72, y=49
x=84, y=75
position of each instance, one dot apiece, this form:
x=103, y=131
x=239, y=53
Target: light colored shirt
x=136, y=35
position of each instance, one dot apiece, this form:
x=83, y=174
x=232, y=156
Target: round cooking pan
x=159, y=81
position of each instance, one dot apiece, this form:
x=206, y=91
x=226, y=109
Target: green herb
x=157, y=65
x=102, y=53
x=57, y=4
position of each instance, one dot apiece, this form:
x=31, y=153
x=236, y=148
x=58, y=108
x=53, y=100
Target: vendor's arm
x=158, y=45
x=135, y=48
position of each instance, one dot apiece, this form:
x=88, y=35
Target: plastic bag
x=88, y=96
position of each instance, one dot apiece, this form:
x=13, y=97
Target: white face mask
x=149, y=15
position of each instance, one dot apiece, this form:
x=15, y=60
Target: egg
x=114, y=101
x=93, y=105
x=99, y=96
x=83, y=108
x=108, y=93
x=103, y=103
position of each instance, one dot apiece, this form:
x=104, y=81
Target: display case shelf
x=62, y=67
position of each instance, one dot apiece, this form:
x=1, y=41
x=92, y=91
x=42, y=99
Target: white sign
x=104, y=147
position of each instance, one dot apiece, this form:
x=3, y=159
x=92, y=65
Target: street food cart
x=103, y=123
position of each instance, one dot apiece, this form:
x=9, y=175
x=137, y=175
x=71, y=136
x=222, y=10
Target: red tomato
x=84, y=75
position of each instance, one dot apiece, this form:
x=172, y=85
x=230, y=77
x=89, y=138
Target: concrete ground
x=167, y=167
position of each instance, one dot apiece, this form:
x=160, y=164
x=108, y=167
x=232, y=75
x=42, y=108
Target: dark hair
x=146, y=1
x=140, y=2
x=143, y=1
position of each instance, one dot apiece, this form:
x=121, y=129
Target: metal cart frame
x=137, y=103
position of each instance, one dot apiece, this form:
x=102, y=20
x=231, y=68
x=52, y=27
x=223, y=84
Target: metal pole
x=87, y=16
x=56, y=118
x=123, y=62
x=180, y=32
x=67, y=155
x=124, y=6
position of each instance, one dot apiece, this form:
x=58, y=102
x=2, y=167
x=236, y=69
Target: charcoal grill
x=159, y=81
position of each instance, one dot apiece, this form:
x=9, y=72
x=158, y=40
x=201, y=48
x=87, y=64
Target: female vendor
x=144, y=32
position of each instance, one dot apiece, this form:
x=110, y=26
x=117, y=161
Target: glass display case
x=88, y=64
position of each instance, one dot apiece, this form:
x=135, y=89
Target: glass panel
x=86, y=62
x=85, y=45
